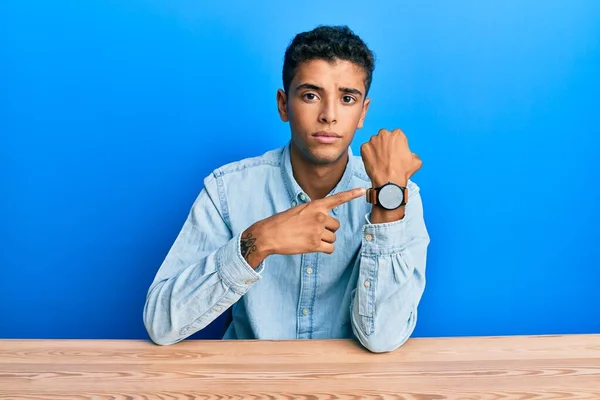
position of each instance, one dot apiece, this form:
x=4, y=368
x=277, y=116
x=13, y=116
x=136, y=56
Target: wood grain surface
x=473, y=368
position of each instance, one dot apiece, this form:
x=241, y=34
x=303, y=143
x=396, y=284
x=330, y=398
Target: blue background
x=113, y=112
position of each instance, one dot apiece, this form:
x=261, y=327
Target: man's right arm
x=203, y=274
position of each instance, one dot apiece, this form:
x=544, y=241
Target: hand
x=387, y=158
x=305, y=228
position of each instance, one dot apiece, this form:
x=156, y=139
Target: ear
x=361, y=121
x=282, y=105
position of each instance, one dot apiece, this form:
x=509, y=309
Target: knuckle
x=364, y=148
x=321, y=217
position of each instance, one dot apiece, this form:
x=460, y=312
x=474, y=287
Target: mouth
x=326, y=137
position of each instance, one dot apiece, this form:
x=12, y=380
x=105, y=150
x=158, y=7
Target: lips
x=326, y=137
x=327, y=134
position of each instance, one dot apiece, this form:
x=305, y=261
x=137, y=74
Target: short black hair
x=328, y=43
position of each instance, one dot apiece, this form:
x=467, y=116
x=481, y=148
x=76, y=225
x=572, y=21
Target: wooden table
x=518, y=367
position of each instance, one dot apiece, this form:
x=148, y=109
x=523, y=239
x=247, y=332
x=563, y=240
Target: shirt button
x=309, y=270
x=368, y=237
x=294, y=203
x=219, y=309
x=367, y=283
x=305, y=311
x=248, y=282
x=302, y=197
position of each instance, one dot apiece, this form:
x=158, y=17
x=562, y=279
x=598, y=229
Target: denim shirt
x=368, y=289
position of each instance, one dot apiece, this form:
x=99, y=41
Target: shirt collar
x=295, y=192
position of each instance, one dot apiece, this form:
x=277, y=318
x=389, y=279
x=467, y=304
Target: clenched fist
x=305, y=228
x=388, y=158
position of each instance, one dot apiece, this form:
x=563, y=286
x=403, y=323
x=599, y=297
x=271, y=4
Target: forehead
x=326, y=74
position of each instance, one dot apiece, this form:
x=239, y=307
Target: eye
x=309, y=96
x=348, y=99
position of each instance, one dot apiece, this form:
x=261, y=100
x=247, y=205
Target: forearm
x=391, y=279
x=190, y=297
x=384, y=307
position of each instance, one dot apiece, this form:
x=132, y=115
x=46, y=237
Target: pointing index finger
x=343, y=197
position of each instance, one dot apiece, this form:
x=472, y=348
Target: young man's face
x=324, y=106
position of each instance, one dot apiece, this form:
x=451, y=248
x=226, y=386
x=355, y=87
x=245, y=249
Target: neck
x=317, y=180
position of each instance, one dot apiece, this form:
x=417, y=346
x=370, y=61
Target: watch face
x=390, y=196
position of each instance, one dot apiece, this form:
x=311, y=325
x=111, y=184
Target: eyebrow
x=318, y=88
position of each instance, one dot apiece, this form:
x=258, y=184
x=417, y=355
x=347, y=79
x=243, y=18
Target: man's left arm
x=391, y=277
x=392, y=259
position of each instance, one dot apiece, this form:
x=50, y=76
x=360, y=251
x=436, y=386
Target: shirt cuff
x=384, y=238
x=234, y=269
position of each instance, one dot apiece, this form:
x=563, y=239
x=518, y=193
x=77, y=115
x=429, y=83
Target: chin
x=324, y=155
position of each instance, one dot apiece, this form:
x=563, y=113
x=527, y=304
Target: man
x=291, y=241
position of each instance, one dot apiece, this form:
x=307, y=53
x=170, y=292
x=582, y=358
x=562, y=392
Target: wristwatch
x=389, y=196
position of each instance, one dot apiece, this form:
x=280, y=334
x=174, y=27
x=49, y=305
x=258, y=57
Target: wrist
x=254, y=245
x=380, y=180
x=380, y=215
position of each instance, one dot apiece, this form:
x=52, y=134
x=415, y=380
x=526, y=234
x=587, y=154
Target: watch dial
x=390, y=197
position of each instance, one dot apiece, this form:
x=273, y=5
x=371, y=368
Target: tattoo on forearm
x=248, y=246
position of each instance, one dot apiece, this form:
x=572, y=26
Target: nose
x=328, y=113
